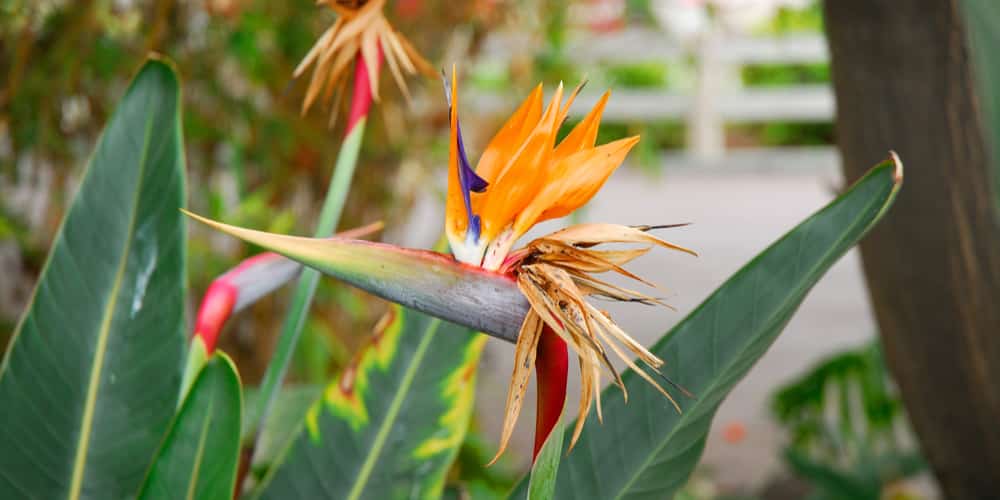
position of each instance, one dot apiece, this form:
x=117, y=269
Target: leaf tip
x=157, y=63
x=897, y=171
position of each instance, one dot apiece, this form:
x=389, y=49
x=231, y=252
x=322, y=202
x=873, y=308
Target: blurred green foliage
x=779, y=133
x=809, y=19
x=477, y=480
x=846, y=425
x=764, y=75
x=252, y=158
x=638, y=76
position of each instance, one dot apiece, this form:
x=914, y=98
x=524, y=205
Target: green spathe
x=200, y=452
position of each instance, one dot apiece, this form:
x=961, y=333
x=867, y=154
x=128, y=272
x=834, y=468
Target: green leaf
x=199, y=455
x=542, y=484
x=282, y=423
x=391, y=424
x=91, y=379
x=645, y=449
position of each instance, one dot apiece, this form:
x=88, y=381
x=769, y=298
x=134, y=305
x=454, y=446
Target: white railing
x=717, y=97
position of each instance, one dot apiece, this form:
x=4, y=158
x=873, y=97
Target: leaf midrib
x=394, y=407
x=86, y=424
x=200, y=453
x=714, y=386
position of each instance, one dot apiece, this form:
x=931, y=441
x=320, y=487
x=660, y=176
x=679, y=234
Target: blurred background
x=732, y=98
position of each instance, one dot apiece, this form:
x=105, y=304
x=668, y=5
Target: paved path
x=736, y=214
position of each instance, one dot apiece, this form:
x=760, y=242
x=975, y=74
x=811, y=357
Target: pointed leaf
x=427, y=281
x=391, y=425
x=644, y=449
x=91, y=379
x=542, y=482
x=199, y=455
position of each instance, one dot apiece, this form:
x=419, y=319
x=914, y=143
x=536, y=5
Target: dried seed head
x=360, y=30
x=555, y=274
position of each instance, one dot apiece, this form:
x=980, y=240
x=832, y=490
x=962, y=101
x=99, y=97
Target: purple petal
x=469, y=181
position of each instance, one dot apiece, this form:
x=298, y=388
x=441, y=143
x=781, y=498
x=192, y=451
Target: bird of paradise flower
x=539, y=291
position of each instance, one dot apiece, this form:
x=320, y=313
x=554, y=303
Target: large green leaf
x=90, y=381
x=391, y=424
x=645, y=449
x=199, y=455
x=982, y=19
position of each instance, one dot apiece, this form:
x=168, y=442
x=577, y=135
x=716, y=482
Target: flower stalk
x=333, y=206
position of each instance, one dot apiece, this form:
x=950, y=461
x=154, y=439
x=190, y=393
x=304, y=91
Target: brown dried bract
x=360, y=29
x=555, y=273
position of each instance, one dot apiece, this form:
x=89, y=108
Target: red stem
x=552, y=366
x=361, y=102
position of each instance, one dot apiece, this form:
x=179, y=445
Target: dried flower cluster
x=360, y=29
x=556, y=275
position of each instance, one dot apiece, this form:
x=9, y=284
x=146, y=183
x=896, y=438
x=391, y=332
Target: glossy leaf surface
x=91, y=378
x=391, y=424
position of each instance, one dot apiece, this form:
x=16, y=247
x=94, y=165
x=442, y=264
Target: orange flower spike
x=574, y=173
x=517, y=184
x=530, y=178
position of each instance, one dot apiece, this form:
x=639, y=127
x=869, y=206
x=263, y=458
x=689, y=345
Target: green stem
x=291, y=330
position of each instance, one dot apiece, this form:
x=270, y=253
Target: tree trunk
x=903, y=81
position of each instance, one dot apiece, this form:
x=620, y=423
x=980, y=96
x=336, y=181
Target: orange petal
x=524, y=174
x=564, y=110
x=573, y=181
x=510, y=137
x=584, y=134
